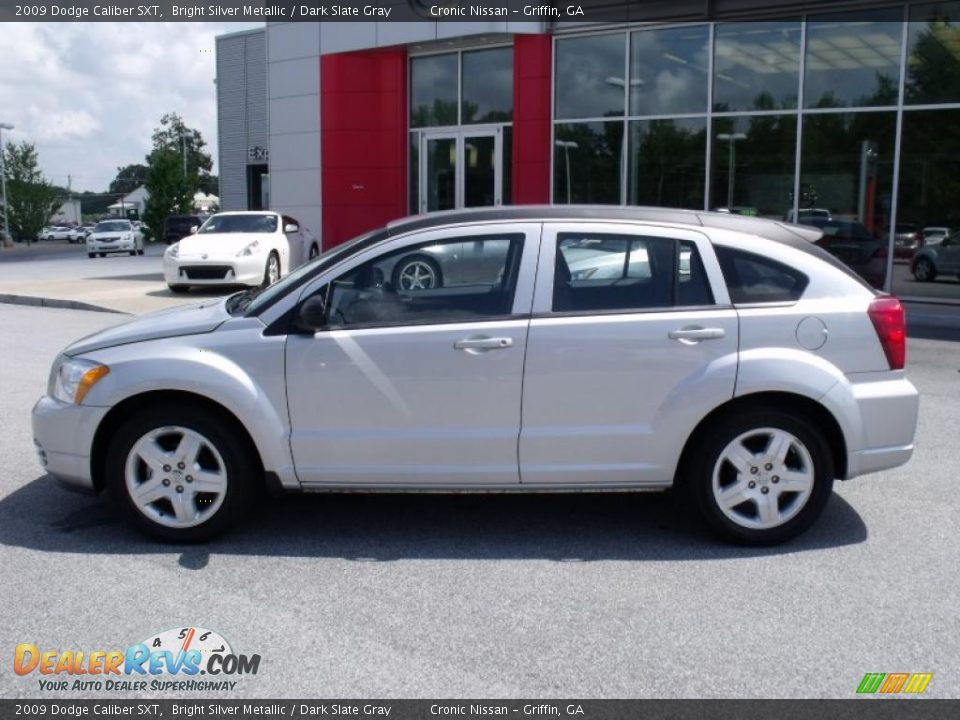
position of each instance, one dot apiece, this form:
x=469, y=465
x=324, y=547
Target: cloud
x=90, y=94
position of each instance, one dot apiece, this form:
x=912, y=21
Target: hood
x=217, y=244
x=191, y=319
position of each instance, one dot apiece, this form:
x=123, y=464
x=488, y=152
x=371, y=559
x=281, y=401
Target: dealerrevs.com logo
x=172, y=660
x=894, y=683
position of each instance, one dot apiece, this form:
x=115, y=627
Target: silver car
x=606, y=349
x=943, y=258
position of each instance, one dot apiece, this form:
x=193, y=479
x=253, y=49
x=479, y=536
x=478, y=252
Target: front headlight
x=248, y=250
x=71, y=379
x=174, y=250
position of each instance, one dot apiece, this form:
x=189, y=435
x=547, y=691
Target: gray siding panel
x=241, y=110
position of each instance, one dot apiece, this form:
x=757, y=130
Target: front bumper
x=187, y=270
x=63, y=435
x=113, y=246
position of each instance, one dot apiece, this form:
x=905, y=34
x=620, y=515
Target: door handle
x=696, y=334
x=483, y=343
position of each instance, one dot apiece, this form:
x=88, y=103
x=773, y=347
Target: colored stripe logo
x=894, y=683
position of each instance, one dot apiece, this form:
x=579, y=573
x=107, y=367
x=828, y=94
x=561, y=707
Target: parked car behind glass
x=728, y=356
x=852, y=243
x=942, y=258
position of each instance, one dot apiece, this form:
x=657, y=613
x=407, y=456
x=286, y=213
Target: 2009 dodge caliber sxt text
x=510, y=349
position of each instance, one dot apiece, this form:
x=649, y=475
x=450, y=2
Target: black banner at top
x=554, y=12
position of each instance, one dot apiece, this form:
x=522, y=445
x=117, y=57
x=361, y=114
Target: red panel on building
x=532, y=60
x=363, y=138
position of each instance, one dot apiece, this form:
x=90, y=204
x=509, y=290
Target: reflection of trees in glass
x=930, y=168
x=594, y=162
x=667, y=164
x=443, y=112
x=764, y=162
x=848, y=182
x=933, y=68
x=884, y=93
x=471, y=114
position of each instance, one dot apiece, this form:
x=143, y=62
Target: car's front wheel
x=417, y=272
x=924, y=271
x=180, y=474
x=91, y=255
x=271, y=273
x=761, y=477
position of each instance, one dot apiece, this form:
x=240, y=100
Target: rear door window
x=608, y=272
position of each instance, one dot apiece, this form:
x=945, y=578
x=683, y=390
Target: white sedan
x=238, y=248
x=112, y=236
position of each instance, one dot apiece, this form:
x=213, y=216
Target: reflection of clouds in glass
x=432, y=79
x=756, y=63
x=668, y=71
x=488, y=85
x=583, y=67
x=853, y=63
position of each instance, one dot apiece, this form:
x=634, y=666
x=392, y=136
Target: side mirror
x=312, y=314
x=193, y=229
x=291, y=228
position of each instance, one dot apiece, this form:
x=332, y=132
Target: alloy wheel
x=763, y=478
x=176, y=477
x=273, y=270
x=417, y=275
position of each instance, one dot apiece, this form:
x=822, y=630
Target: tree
x=31, y=200
x=170, y=192
x=177, y=167
x=128, y=179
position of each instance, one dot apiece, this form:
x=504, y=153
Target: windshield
x=263, y=300
x=112, y=226
x=239, y=224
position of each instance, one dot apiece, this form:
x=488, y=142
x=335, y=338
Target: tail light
x=888, y=319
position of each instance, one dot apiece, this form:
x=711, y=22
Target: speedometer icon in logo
x=183, y=640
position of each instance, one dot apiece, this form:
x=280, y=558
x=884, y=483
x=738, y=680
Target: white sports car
x=238, y=248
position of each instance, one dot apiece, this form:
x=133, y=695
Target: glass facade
x=799, y=118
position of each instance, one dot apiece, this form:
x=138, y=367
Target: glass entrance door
x=461, y=168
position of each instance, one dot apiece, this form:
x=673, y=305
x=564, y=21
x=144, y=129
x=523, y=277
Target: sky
x=89, y=95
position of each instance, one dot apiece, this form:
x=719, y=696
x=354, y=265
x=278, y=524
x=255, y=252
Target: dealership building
x=775, y=108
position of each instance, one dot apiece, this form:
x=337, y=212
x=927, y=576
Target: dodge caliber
x=571, y=348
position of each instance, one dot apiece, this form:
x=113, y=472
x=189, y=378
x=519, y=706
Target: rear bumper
x=879, y=419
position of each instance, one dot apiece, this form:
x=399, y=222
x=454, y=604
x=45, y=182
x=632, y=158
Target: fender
x=803, y=373
x=209, y=371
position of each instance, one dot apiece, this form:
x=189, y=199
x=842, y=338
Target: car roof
x=761, y=227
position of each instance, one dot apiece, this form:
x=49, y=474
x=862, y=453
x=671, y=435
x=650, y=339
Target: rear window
x=756, y=279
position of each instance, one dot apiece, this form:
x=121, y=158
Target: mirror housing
x=291, y=228
x=193, y=229
x=311, y=315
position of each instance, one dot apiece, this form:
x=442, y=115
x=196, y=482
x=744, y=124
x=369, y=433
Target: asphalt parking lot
x=607, y=595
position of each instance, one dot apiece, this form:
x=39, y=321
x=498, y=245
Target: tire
x=150, y=448
x=91, y=255
x=924, y=271
x=314, y=251
x=271, y=271
x=417, y=272
x=103, y=255
x=746, y=436
x=133, y=253
x=178, y=288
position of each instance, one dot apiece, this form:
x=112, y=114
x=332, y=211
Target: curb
x=56, y=303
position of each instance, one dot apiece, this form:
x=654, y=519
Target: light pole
x=566, y=145
x=3, y=182
x=733, y=139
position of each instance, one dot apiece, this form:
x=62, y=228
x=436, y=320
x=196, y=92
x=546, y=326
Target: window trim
x=543, y=296
x=762, y=258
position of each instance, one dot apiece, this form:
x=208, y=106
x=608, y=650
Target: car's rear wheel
x=271, y=273
x=91, y=255
x=180, y=474
x=314, y=251
x=924, y=271
x=761, y=477
x=133, y=253
x=103, y=255
x=178, y=288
